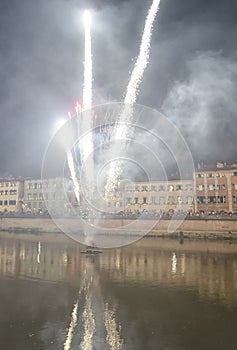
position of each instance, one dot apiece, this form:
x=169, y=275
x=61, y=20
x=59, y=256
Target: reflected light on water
x=67, y=344
x=174, y=263
x=113, y=330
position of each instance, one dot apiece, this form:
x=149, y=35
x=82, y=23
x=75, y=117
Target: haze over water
x=157, y=294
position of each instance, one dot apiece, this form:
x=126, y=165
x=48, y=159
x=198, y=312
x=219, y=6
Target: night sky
x=191, y=77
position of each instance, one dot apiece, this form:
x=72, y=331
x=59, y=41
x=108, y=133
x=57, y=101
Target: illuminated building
x=215, y=189
x=11, y=193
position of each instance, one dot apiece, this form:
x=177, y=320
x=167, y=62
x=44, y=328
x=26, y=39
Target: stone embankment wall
x=186, y=228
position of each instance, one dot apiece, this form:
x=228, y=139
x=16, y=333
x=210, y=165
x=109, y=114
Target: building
x=41, y=195
x=11, y=195
x=154, y=196
x=215, y=189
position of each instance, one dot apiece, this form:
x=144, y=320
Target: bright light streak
x=87, y=89
x=87, y=17
x=132, y=91
x=58, y=124
x=143, y=58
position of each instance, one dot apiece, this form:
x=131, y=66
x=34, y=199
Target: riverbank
x=187, y=229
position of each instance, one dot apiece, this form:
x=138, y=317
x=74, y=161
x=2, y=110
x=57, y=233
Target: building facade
x=154, y=196
x=215, y=190
x=11, y=195
x=41, y=195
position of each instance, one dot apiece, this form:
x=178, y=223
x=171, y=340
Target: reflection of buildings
x=11, y=193
x=211, y=274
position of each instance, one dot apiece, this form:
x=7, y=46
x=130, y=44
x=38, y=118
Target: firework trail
x=72, y=169
x=86, y=144
x=121, y=131
x=87, y=88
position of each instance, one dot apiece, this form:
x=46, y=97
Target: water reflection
x=153, y=294
x=212, y=274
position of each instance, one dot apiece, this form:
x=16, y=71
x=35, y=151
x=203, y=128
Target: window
x=1, y=203
x=144, y=200
x=6, y=192
x=211, y=199
x=136, y=200
x=221, y=199
x=170, y=188
x=153, y=200
x=35, y=196
x=1, y=193
x=153, y=188
x=211, y=187
x=234, y=199
x=200, y=187
x=120, y=204
x=30, y=186
x=180, y=200
x=12, y=202
x=162, y=200
x=128, y=200
x=161, y=188
x=13, y=192
x=7, y=184
x=221, y=187
x=201, y=199
x=179, y=187
x=189, y=200
x=137, y=188
x=128, y=189
x=189, y=187
x=171, y=200
x=144, y=188
x=41, y=196
x=35, y=185
x=234, y=186
x=235, y=173
x=5, y=202
x=29, y=197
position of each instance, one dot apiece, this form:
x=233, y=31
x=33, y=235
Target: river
x=154, y=294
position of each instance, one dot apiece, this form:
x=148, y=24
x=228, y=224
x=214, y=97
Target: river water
x=155, y=294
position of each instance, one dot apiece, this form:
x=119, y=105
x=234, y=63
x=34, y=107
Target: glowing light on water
x=113, y=330
x=174, y=263
x=89, y=324
x=67, y=344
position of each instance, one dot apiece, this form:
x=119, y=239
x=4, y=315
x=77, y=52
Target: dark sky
x=191, y=77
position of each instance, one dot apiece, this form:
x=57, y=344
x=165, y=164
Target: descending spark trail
x=121, y=131
x=71, y=166
x=143, y=58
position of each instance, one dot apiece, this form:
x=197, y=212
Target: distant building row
x=209, y=191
